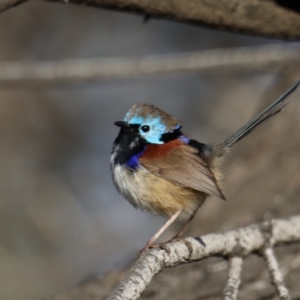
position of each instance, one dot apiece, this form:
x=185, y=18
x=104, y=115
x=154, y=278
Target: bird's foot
x=162, y=246
x=177, y=238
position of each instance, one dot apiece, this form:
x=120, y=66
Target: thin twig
x=234, y=278
x=275, y=274
x=238, y=242
x=246, y=58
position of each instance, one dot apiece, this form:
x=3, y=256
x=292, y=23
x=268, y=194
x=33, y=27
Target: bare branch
x=234, y=278
x=238, y=242
x=275, y=274
x=269, y=18
x=6, y=4
x=246, y=58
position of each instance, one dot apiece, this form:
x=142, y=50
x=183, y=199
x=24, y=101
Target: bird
x=163, y=171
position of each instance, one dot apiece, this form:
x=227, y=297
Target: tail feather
x=223, y=147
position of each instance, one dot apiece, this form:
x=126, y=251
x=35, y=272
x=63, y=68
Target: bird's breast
x=154, y=194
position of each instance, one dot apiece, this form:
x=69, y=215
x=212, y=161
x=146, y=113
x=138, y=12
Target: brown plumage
x=181, y=165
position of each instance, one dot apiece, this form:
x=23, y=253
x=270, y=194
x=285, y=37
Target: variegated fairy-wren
x=162, y=171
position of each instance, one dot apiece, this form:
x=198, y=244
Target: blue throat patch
x=133, y=162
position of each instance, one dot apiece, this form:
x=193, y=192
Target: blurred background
x=62, y=220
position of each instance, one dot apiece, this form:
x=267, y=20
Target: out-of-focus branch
x=234, y=278
x=240, y=242
x=245, y=58
x=275, y=273
x=267, y=18
x=6, y=4
x=270, y=18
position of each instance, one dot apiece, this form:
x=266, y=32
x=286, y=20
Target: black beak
x=122, y=124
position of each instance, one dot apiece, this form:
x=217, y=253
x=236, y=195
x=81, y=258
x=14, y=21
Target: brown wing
x=183, y=166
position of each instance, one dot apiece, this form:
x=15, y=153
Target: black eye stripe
x=170, y=136
x=145, y=128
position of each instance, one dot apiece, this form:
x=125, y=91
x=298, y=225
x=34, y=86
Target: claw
x=162, y=246
x=178, y=239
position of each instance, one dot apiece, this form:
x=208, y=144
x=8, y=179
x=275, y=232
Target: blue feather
x=133, y=162
x=157, y=127
x=184, y=139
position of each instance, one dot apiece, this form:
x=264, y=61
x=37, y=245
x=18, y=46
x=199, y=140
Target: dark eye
x=145, y=128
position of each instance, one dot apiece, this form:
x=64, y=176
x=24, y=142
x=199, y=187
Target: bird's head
x=148, y=124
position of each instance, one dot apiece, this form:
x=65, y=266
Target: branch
x=239, y=242
x=259, y=17
x=234, y=278
x=275, y=274
x=6, y=4
x=271, y=18
x=246, y=58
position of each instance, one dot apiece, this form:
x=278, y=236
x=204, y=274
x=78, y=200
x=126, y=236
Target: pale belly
x=154, y=194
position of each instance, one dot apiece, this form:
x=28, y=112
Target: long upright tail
x=223, y=147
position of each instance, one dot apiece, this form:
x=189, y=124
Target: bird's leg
x=161, y=230
x=178, y=236
x=185, y=226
